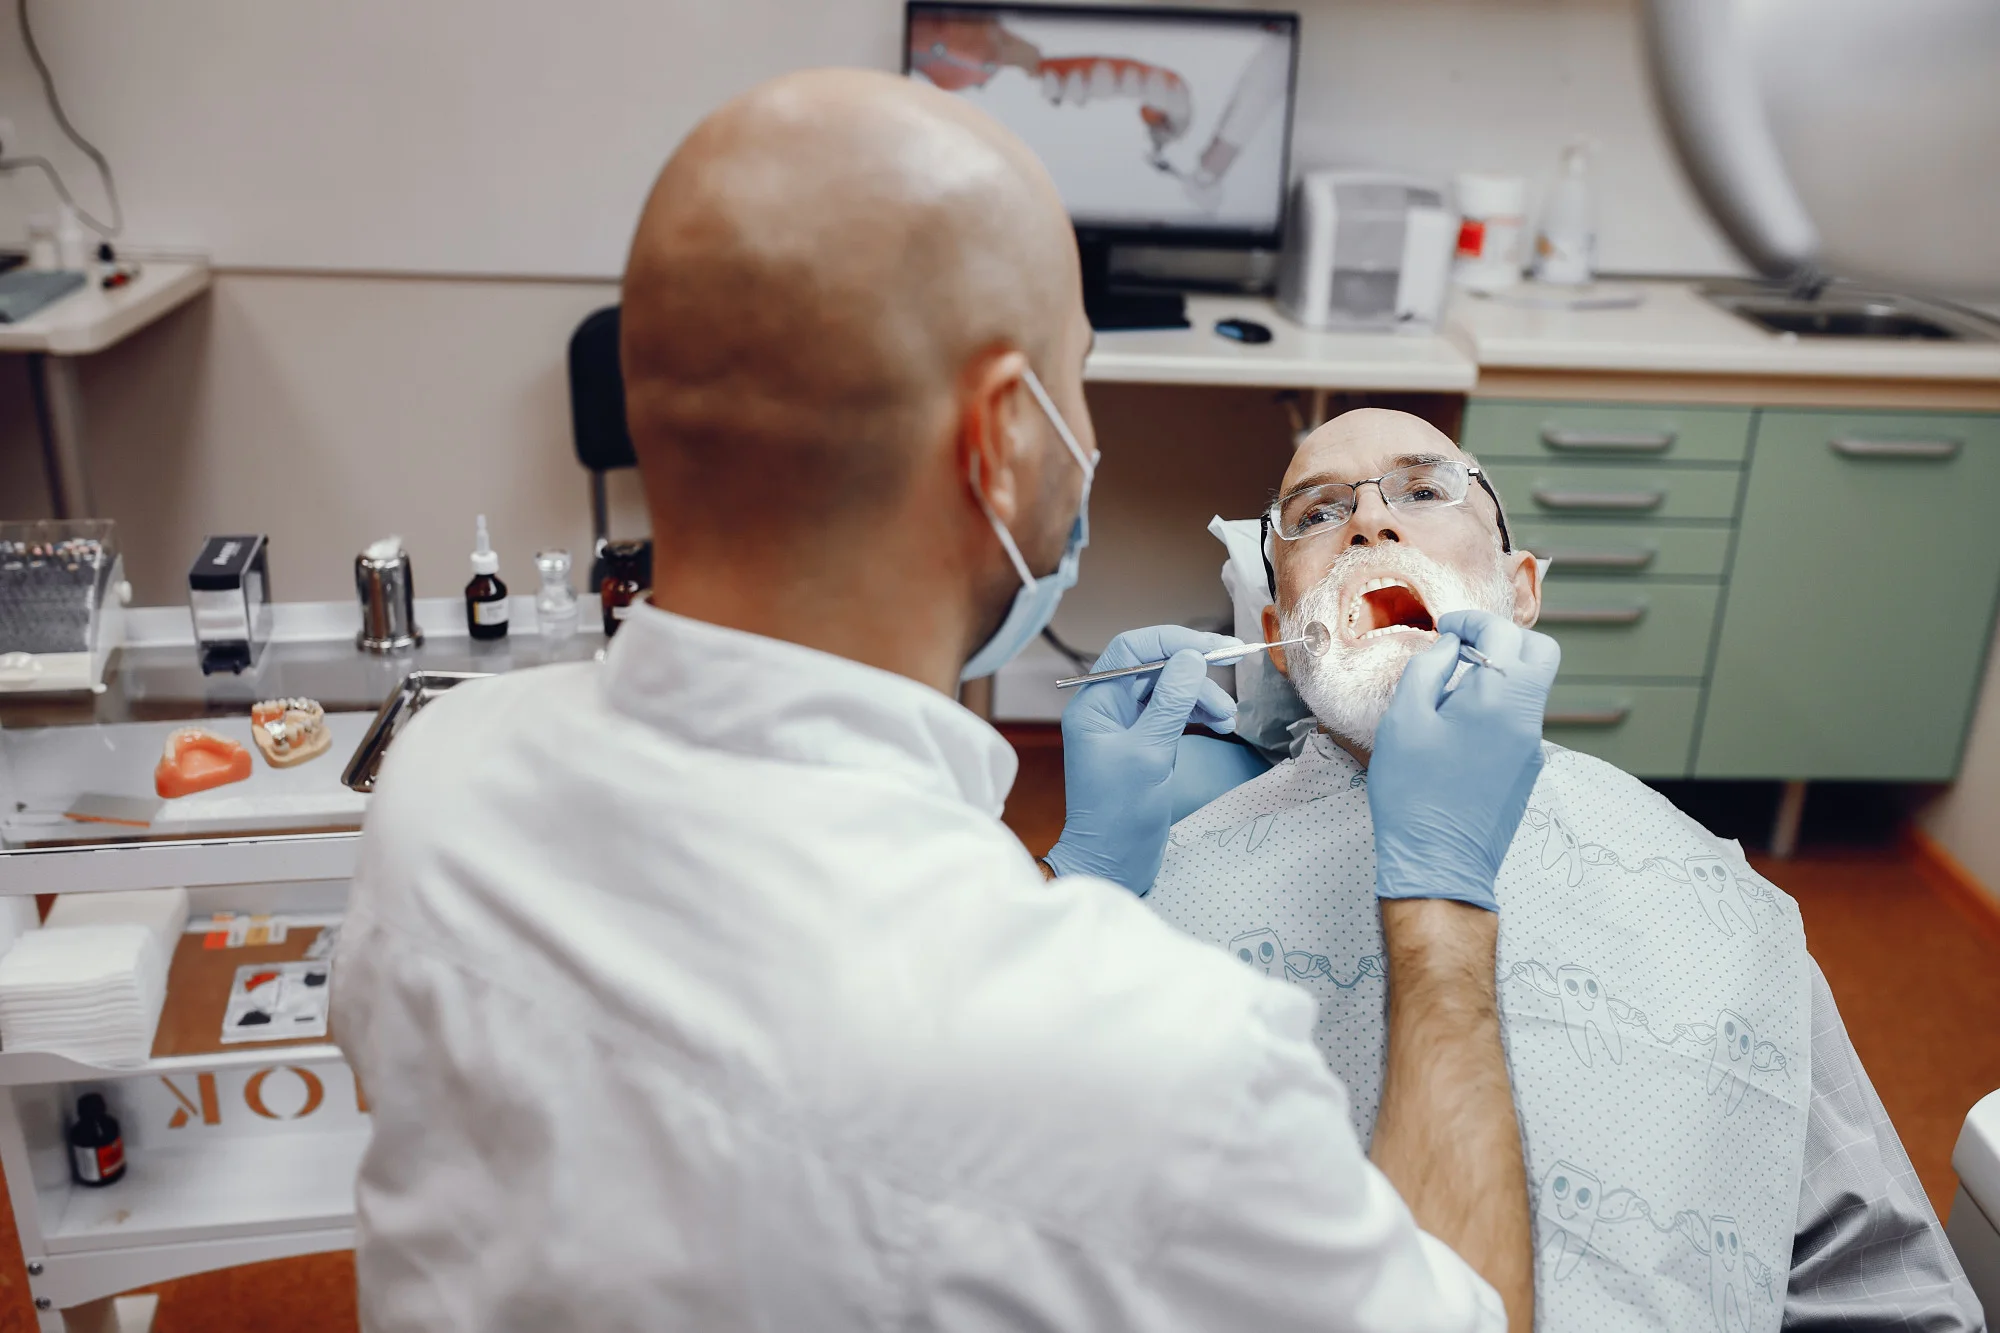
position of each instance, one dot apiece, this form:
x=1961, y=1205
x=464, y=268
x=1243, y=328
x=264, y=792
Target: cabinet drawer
x=1607, y=549
x=1621, y=627
x=1499, y=429
x=1647, y=730
x=1614, y=491
x=1861, y=598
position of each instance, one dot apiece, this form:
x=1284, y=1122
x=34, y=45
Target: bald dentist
x=704, y=989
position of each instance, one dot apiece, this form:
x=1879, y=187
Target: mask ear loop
x=1048, y=407
x=1000, y=529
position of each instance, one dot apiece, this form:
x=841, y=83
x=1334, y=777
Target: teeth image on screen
x=1126, y=114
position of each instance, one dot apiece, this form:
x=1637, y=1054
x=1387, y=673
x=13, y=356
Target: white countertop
x=1295, y=358
x=92, y=319
x=1675, y=331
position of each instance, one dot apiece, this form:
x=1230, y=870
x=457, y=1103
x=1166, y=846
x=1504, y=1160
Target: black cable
x=1079, y=660
x=89, y=149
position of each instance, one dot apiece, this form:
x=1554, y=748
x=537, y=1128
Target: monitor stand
x=1110, y=307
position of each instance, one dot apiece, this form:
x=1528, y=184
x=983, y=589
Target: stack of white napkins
x=91, y=982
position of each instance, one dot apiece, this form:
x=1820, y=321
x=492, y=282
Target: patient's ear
x=1271, y=635
x=1527, y=587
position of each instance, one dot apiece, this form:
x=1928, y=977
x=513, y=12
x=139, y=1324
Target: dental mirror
x=1316, y=640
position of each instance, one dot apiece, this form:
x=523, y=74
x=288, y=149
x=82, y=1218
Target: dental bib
x=1655, y=1004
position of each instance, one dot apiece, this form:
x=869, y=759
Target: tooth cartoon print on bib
x=1654, y=995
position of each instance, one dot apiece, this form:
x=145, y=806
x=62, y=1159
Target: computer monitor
x=1160, y=126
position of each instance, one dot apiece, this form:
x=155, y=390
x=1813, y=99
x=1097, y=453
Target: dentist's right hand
x=1450, y=775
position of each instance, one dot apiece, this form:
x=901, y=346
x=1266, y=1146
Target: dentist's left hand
x=1119, y=739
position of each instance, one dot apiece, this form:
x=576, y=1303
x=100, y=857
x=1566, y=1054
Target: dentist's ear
x=1272, y=635
x=1527, y=588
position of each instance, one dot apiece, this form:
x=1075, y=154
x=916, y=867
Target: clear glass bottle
x=556, y=610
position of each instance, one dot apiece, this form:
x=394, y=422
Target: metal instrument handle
x=1634, y=500
x=1589, y=717
x=1914, y=450
x=1609, y=441
x=1618, y=615
x=1637, y=558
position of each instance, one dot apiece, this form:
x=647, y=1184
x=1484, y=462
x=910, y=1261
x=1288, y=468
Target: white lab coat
x=705, y=990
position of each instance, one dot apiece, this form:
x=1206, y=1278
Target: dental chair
x=597, y=411
x=1974, y=1227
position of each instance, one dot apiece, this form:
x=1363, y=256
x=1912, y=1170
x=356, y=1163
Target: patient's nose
x=1373, y=522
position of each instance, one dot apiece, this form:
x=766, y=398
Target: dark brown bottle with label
x=96, y=1149
x=627, y=573
x=486, y=595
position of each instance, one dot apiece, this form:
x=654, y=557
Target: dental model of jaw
x=289, y=731
x=195, y=760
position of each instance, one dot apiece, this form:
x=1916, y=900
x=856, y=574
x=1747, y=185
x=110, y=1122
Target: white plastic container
x=1492, y=219
x=1566, y=249
x=72, y=245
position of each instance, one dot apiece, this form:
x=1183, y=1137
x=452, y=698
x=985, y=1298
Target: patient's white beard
x=1349, y=688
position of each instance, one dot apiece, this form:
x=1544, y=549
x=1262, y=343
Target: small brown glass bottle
x=96, y=1149
x=485, y=595
x=628, y=572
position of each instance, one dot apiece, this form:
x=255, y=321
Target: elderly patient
x=1704, y=1148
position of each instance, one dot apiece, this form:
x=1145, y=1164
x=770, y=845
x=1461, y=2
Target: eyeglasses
x=1421, y=488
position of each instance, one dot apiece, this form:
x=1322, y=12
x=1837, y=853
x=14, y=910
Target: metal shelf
x=27, y=1068
x=191, y=863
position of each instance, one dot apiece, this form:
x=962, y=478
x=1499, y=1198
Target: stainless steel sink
x=1842, y=312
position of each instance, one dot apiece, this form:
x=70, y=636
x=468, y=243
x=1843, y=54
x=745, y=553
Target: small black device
x=1161, y=127
x=229, y=592
x=1243, y=330
x=96, y=1148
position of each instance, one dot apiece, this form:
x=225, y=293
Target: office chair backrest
x=597, y=407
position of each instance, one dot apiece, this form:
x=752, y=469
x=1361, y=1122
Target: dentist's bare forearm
x=1447, y=1136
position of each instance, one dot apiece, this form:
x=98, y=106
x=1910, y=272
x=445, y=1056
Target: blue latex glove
x=1206, y=767
x=1450, y=776
x=1119, y=742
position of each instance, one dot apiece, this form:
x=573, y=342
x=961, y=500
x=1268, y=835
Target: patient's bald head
x=815, y=270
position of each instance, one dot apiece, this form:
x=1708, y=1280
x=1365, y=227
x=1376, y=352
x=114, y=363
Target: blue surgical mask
x=1035, y=604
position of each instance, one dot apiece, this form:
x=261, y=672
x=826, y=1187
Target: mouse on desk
x=1243, y=330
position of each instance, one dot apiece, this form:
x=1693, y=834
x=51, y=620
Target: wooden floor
x=1917, y=978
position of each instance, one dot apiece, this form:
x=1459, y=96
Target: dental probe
x=1471, y=654
x=1316, y=640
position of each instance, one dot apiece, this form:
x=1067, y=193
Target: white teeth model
x=1131, y=83
x=1103, y=79
x=1052, y=87
x=1076, y=88
x=1156, y=87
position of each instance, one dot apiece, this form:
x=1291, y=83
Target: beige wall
x=327, y=411
x=1965, y=819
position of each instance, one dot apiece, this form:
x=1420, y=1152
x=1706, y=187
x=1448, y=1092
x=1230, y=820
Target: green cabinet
x=1860, y=598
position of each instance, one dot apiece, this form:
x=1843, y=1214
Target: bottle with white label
x=1566, y=250
x=485, y=595
x=96, y=1149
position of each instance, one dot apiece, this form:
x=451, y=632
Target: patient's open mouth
x=1384, y=606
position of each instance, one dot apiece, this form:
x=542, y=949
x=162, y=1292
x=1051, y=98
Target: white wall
x=497, y=136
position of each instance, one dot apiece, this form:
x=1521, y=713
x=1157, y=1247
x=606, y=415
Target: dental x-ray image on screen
x=1147, y=119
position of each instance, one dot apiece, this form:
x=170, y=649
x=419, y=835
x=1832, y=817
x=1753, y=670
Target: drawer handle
x=1637, y=558
x=1605, y=615
x=1588, y=717
x=1609, y=441
x=1915, y=450
x=1633, y=500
